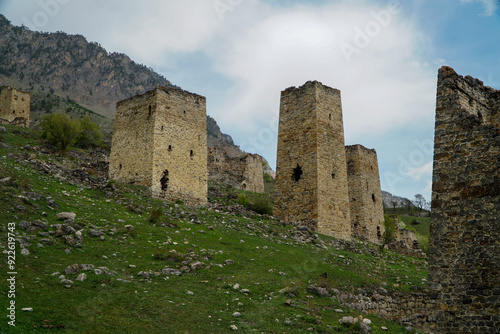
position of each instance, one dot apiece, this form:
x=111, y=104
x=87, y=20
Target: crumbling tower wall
x=311, y=176
x=160, y=141
x=365, y=193
x=14, y=107
x=464, y=253
x=244, y=172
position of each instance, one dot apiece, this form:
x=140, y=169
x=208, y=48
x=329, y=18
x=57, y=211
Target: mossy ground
x=266, y=260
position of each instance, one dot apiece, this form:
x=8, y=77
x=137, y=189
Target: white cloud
x=490, y=6
x=416, y=173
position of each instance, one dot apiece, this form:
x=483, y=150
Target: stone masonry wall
x=160, y=141
x=311, y=176
x=365, y=193
x=244, y=172
x=464, y=253
x=14, y=107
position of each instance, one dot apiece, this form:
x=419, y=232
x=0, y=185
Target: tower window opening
x=191, y=153
x=149, y=111
x=164, y=180
x=373, y=198
x=297, y=173
x=170, y=147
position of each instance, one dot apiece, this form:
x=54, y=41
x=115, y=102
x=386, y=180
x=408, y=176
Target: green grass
x=267, y=261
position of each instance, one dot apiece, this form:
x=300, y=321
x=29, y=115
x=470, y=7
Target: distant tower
x=365, y=193
x=160, y=141
x=311, y=176
x=14, y=107
x=464, y=250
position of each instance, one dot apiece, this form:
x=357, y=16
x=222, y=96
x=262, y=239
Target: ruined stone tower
x=311, y=176
x=365, y=193
x=464, y=253
x=14, y=107
x=244, y=172
x=160, y=141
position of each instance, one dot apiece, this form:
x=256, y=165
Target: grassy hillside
x=231, y=259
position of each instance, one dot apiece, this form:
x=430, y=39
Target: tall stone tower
x=160, y=141
x=14, y=107
x=464, y=252
x=311, y=176
x=365, y=193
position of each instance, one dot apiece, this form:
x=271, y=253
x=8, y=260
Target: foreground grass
x=266, y=260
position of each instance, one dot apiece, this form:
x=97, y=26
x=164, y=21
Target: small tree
x=420, y=203
x=408, y=204
x=90, y=133
x=59, y=129
x=389, y=233
x=394, y=204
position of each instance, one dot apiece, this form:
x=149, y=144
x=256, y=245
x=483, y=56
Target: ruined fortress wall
x=311, y=176
x=253, y=175
x=131, y=158
x=464, y=253
x=160, y=141
x=365, y=193
x=14, y=107
x=240, y=172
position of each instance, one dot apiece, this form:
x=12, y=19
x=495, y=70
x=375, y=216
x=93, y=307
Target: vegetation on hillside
x=161, y=267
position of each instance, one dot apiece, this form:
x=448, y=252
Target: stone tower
x=464, y=252
x=311, y=176
x=14, y=107
x=160, y=141
x=365, y=193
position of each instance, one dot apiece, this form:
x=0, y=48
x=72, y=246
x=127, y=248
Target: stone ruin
x=243, y=172
x=160, y=141
x=14, y=107
x=319, y=182
x=464, y=253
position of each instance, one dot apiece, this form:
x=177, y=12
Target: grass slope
x=268, y=262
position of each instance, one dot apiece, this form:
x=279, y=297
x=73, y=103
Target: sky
x=383, y=55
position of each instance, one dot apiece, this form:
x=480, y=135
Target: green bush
x=90, y=134
x=243, y=200
x=389, y=233
x=155, y=215
x=262, y=205
x=60, y=130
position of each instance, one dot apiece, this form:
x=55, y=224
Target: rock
x=69, y=240
x=46, y=241
x=86, y=267
x=5, y=146
x=23, y=225
x=288, y=302
x=348, y=321
x=228, y=262
x=21, y=207
x=318, y=291
x=27, y=309
x=171, y=272
x=233, y=327
x=94, y=233
x=236, y=314
x=409, y=328
x=236, y=286
x=66, y=281
x=41, y=224
x=339, y=311
x=367, y=321
x=189, y=293
x=98, y=272
x=382, y=291
x=66, y=216
x=2, y=129
x=384, y=328
x=5, y=179
x=287, y=323
x=73, y=269
x=82, y=277
x=365, y=328
x=197, y=265
x=130, y=229
x=245, y=291
x=24, y=251
x=144, y=274
x=51, y=203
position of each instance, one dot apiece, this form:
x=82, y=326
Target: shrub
x=59, y=129
x=389, y=233
x=155, y=215
x=90, y=133
x=262, y=205
x=243, y=200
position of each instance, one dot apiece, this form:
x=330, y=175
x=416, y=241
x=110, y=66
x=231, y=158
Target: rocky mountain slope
x=71, y=67
x=391, y=200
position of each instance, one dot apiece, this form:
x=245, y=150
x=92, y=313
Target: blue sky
x=383, y=56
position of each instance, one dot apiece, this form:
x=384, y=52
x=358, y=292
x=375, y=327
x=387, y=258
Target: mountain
x=391, y=200
x=66, y=73
x=72, y=67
